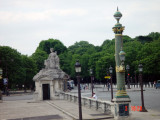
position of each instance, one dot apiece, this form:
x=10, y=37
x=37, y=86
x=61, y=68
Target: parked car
x=157, y=84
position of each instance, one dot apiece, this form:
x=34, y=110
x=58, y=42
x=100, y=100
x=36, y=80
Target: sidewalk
x=72, y=110
x=150, y=115
x=29, y=110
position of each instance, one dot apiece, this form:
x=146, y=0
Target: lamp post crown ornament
x=117, y=15
x=118, y=28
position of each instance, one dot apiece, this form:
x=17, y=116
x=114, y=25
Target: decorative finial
x=117, y=15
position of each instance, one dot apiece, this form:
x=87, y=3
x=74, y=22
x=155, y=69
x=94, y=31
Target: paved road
x=151, y=96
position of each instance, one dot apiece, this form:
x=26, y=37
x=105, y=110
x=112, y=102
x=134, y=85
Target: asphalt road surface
x=151, y=96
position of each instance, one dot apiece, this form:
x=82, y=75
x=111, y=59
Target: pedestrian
x=108, y=86
x=94, y=96
x=154, y=83
x=84, y=86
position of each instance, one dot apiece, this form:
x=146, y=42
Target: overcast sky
x=24, y=23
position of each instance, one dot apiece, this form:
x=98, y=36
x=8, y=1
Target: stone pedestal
x=55, y=87
x=121, y=108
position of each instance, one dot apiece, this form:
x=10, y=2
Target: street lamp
x=122, y=56
x=91, y=73
x=78, y=70
x=127, y=68
x=140, y=69
x=111, y=71
x=1, y=72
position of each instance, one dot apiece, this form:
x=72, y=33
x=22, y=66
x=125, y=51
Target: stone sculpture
x=51, y=75
x=53, y=61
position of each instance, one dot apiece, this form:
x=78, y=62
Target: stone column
x=121, y=99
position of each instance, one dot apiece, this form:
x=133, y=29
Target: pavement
x=59, y=110
x=54, y=109
x=150, y=115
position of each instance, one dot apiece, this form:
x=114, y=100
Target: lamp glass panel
x=1, y=71
x=110, y=70
x=79, y=69
x=91, y=71
x=122, y=57
x=76, y=69
x=140, y=69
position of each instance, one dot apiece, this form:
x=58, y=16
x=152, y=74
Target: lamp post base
x=143, y=110
x=121, y=108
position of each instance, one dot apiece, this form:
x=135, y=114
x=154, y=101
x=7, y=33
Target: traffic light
x=128, y=74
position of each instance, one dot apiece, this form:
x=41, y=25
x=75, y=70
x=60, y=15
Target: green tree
x=58, y=46
x=11, y=63
x=29, y=67
x=39, y=56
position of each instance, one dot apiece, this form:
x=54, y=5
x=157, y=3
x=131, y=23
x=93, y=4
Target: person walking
x=95, y=96
x=108, y=86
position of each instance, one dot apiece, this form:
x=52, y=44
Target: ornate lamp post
x=1, y=72
x=140, y=69
x=135, y=77
x=121, y=99
x=78, y=70
x=111, y=71
x=91, y=73
x=127, y=68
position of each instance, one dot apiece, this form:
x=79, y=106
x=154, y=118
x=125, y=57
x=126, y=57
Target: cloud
x=24, y=23
x=7, y=17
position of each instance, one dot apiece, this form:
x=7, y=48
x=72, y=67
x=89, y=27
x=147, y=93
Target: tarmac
x=59, y=110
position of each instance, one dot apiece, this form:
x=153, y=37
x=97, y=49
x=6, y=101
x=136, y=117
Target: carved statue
x=53, y=61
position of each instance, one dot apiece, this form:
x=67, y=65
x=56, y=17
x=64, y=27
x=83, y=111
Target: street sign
x=107, y=77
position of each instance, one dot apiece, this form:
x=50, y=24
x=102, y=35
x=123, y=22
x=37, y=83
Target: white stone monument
x=51, y=80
